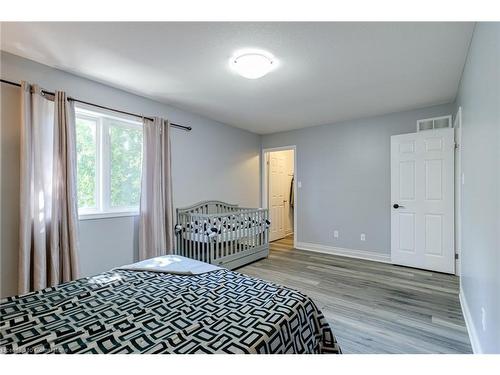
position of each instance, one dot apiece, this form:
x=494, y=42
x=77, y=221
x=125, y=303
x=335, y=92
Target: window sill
x=107, y=215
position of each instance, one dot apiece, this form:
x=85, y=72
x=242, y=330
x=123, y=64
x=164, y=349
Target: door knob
x=397, y=206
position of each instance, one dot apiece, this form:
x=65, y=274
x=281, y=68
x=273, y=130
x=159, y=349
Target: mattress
x=124, y=311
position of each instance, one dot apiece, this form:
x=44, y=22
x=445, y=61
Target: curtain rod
x=45, y=92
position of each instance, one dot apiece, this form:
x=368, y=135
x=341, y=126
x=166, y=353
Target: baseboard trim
x=471, y=329
x=351, y=253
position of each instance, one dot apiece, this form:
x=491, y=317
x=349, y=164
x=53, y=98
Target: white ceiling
x=328, y=72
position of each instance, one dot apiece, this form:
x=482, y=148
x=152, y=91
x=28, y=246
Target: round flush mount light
x=252, y=64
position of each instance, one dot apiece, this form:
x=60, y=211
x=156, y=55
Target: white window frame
x=103, y=176
x=88, y=211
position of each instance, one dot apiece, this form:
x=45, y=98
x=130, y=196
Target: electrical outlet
x=335, y=234
x=483, y=318
x=363, y=237
x=299, y=184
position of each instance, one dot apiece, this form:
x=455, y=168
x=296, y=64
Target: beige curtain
x=156, y=209
x=48, y=253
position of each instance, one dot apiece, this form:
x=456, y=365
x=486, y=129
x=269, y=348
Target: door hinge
x=457, y=145
x=456, y=256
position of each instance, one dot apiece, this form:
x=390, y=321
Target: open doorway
x=279, y=191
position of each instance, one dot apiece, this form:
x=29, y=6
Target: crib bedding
x=124, y=311
x=232, y=225
x=224, y=236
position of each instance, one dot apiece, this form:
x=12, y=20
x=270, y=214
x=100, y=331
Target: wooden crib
x=223, y=234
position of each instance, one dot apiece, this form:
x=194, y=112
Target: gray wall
x=214, y=161
x=345, y=173
x=479, y=97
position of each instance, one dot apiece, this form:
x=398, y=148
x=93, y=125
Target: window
x=109, y=158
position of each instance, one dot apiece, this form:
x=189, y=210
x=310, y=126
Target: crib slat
x=254, y=229
x=244, y=231
x=237, y=234
x=257, y=228
x=230, y=237
x=191, y=238
x=261, y=227
x=200, y=240
x=184, y=224
x=196, y=242
x=241, y=234
x=183, y=232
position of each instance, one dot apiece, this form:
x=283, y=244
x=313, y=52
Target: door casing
x=276, y=161
x=265, y=178
x=457, y=125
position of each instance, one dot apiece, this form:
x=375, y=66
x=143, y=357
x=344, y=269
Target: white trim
x=471, y=329
x=107, y=215
x=458, y=190
x=105, y=166
x=264, y=186
x=350, y=253
x=91, y=111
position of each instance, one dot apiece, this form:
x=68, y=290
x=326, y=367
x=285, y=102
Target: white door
x=276, y=195
x=422, y=195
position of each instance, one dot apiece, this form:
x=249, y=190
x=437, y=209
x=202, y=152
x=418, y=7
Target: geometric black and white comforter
x=148, y=312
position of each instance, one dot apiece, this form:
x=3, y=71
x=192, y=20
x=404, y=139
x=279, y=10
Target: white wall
x=345, y=173
x=213, y=161
x=479, y=97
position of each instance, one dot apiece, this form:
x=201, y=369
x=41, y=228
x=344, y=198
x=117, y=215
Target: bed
x=222, y=233
x=145, y=311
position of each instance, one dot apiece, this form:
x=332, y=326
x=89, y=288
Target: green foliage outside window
x=86, y=162
x=125, y=160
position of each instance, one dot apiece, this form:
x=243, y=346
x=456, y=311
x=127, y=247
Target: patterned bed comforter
x=145, y=312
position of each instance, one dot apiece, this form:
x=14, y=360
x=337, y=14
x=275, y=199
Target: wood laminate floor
x=372, y=307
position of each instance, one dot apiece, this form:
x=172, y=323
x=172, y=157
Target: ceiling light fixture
x=252, y=64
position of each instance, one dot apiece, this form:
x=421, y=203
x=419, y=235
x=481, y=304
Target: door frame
x=265, y=183
x=458, y=190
